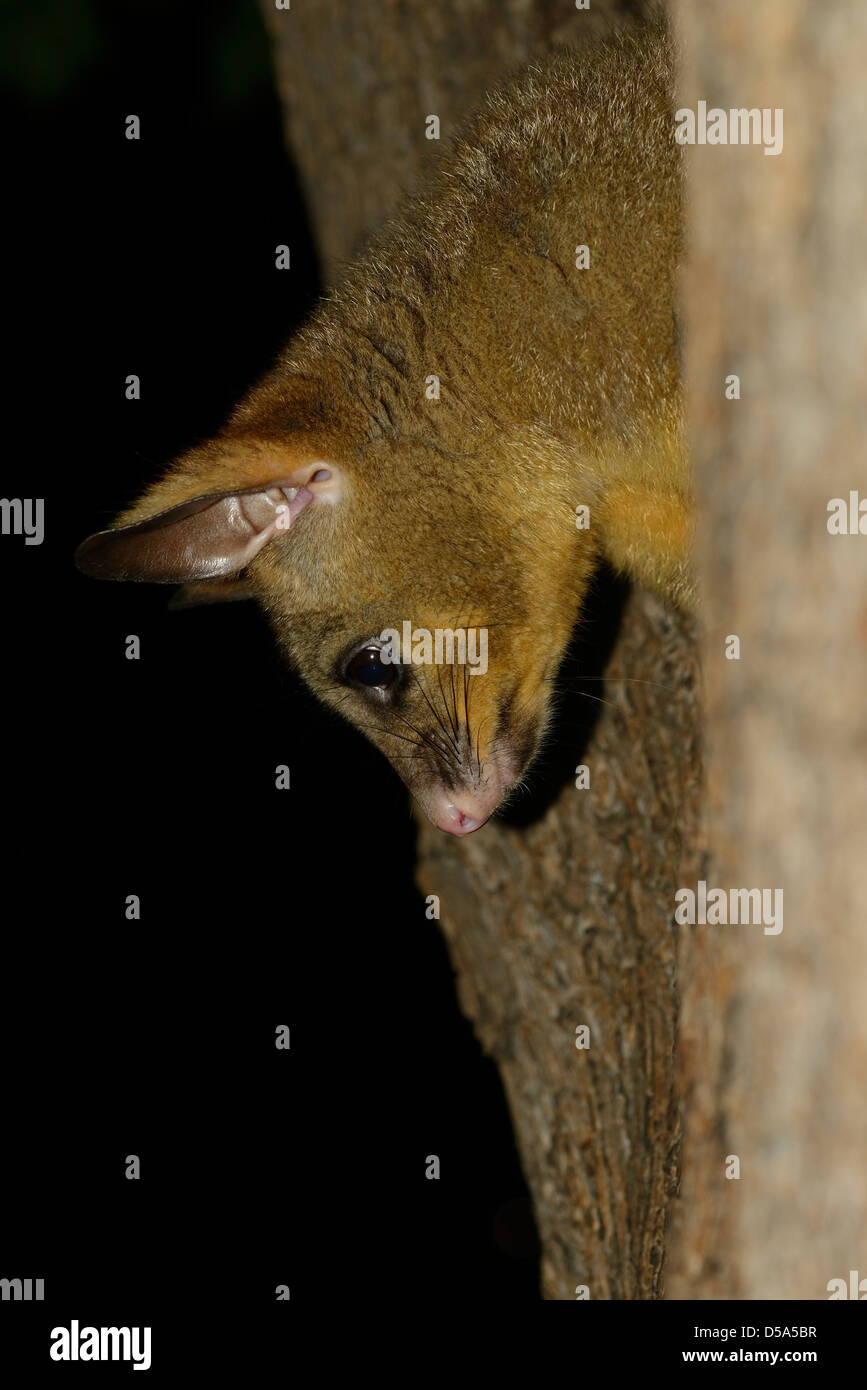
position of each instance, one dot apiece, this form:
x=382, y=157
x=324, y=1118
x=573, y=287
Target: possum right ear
x=210, y=535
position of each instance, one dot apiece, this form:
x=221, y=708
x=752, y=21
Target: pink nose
x=464, y=813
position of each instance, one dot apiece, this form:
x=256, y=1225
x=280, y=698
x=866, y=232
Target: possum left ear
x=205, y=537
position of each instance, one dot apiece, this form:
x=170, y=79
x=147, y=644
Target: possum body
x=476, y=418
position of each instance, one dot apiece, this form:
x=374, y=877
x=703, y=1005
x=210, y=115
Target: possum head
x=427, y=598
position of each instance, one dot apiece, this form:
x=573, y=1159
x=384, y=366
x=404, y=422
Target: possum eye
x=367, y=668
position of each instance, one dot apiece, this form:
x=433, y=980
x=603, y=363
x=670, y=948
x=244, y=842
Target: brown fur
x=559, y=387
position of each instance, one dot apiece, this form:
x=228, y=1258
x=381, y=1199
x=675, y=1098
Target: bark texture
x=568, y=921
x=775, y=293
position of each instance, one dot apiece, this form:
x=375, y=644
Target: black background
x=156, y=777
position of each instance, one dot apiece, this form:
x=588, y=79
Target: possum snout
x=467, y=806
x=473, y=745
x=460, y=812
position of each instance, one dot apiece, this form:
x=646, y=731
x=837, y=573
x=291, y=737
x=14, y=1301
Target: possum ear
x=206, y=536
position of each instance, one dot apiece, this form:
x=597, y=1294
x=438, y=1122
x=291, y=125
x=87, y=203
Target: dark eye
x=368, y=668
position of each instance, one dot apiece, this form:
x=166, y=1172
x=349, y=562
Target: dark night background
x=156, y=777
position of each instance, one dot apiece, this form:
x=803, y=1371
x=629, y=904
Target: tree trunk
x=775, y=294
x=567, y=919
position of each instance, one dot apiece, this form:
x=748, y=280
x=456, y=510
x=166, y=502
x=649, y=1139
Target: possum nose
x=457, y=822
x=466, y=812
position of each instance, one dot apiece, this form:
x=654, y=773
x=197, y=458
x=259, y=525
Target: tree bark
x=775, y=294
x=568, y=921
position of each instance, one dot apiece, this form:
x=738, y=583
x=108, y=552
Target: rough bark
x=775, y=293
x=568, y=921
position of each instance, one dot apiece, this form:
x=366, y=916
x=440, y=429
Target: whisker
x=638, y=680
x=426, y=738
x=435, y=713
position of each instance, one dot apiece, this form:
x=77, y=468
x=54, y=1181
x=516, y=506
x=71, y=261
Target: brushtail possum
x=487, y=407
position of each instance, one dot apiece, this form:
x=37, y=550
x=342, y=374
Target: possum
x=486, y=409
